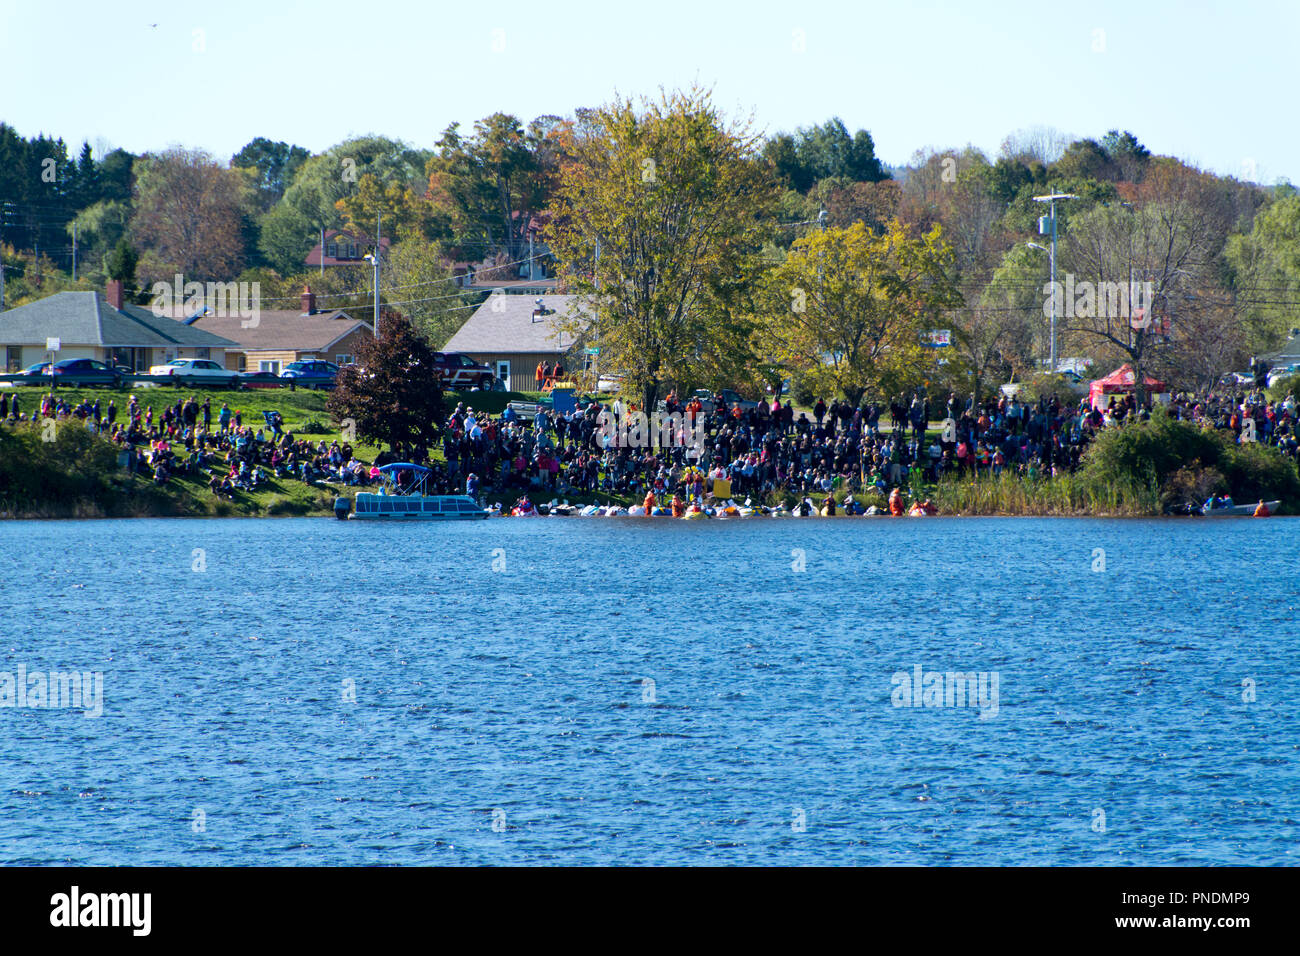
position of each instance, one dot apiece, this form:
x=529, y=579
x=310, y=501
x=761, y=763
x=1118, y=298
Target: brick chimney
x=308, y=301
x=113, y=293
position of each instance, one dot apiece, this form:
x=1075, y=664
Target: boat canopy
x=405, y=466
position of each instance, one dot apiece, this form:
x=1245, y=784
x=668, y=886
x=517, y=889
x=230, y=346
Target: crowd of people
x=191, y=438
x=761, y=450
x=770, y=449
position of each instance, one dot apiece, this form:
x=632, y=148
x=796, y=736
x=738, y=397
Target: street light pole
x=374, y=259
x=379, y=225
x=1034, y=245
x=1051, y=199
x=1051, y=259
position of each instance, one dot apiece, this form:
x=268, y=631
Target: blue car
x=311, y=374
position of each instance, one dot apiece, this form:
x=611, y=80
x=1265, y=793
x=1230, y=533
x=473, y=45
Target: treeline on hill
x=826, y=268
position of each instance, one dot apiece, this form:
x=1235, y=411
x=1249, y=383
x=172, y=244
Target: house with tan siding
x=275, y=338
x=511, y=334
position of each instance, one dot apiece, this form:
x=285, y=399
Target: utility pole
x=4, y=211
x=322, y=252
x=74, y=252
x=596, y=363
x=379, y=228
x=1043, y=223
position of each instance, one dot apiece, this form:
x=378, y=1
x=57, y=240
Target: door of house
x=13, y=358
x=503, y=371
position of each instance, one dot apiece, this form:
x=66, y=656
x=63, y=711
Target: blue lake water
x=624, y=691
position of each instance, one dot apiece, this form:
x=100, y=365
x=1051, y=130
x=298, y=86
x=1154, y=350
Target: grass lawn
x=303, y=411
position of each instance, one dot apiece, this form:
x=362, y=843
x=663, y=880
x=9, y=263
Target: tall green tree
x=310, y=203
x=809, y=154
x=674, y=198
x=848, y=308
x=1264, y=266
x=273, y=165
x=486, y=183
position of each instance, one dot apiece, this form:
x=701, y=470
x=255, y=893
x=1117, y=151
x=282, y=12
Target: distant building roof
x=505, y=323
x=343, y=238
x=86, y=318
x=282, y=331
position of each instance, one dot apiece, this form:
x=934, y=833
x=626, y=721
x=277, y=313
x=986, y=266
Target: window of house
x=269, y=365
x=243, y=363
x=332, y=250
x=343, y=358
x=503, y=370
x=203, y=353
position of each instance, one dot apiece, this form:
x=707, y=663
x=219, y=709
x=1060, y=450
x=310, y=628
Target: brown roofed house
x=273, y=338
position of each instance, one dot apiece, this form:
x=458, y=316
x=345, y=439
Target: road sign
x=52, y=345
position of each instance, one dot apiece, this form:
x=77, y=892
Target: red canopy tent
x=1120, y=381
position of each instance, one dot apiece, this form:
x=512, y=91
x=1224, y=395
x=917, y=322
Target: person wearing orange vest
x=679, y=507
x=649, y=503
x=896, y=503
x=1261, y=510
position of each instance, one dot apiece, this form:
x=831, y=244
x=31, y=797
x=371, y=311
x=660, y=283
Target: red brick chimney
x=308, y=301
x=113, y=293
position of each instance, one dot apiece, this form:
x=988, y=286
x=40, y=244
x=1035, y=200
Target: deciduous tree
x=394, y=393
x=849, y=308
x=659, y=206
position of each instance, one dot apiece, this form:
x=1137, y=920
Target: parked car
x=84, y=371
x=312, y=374
x=260, y=380
x=74, y=372
x=193, y=371
x=459, y=371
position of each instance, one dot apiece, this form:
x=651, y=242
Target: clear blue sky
x=1211, y=82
